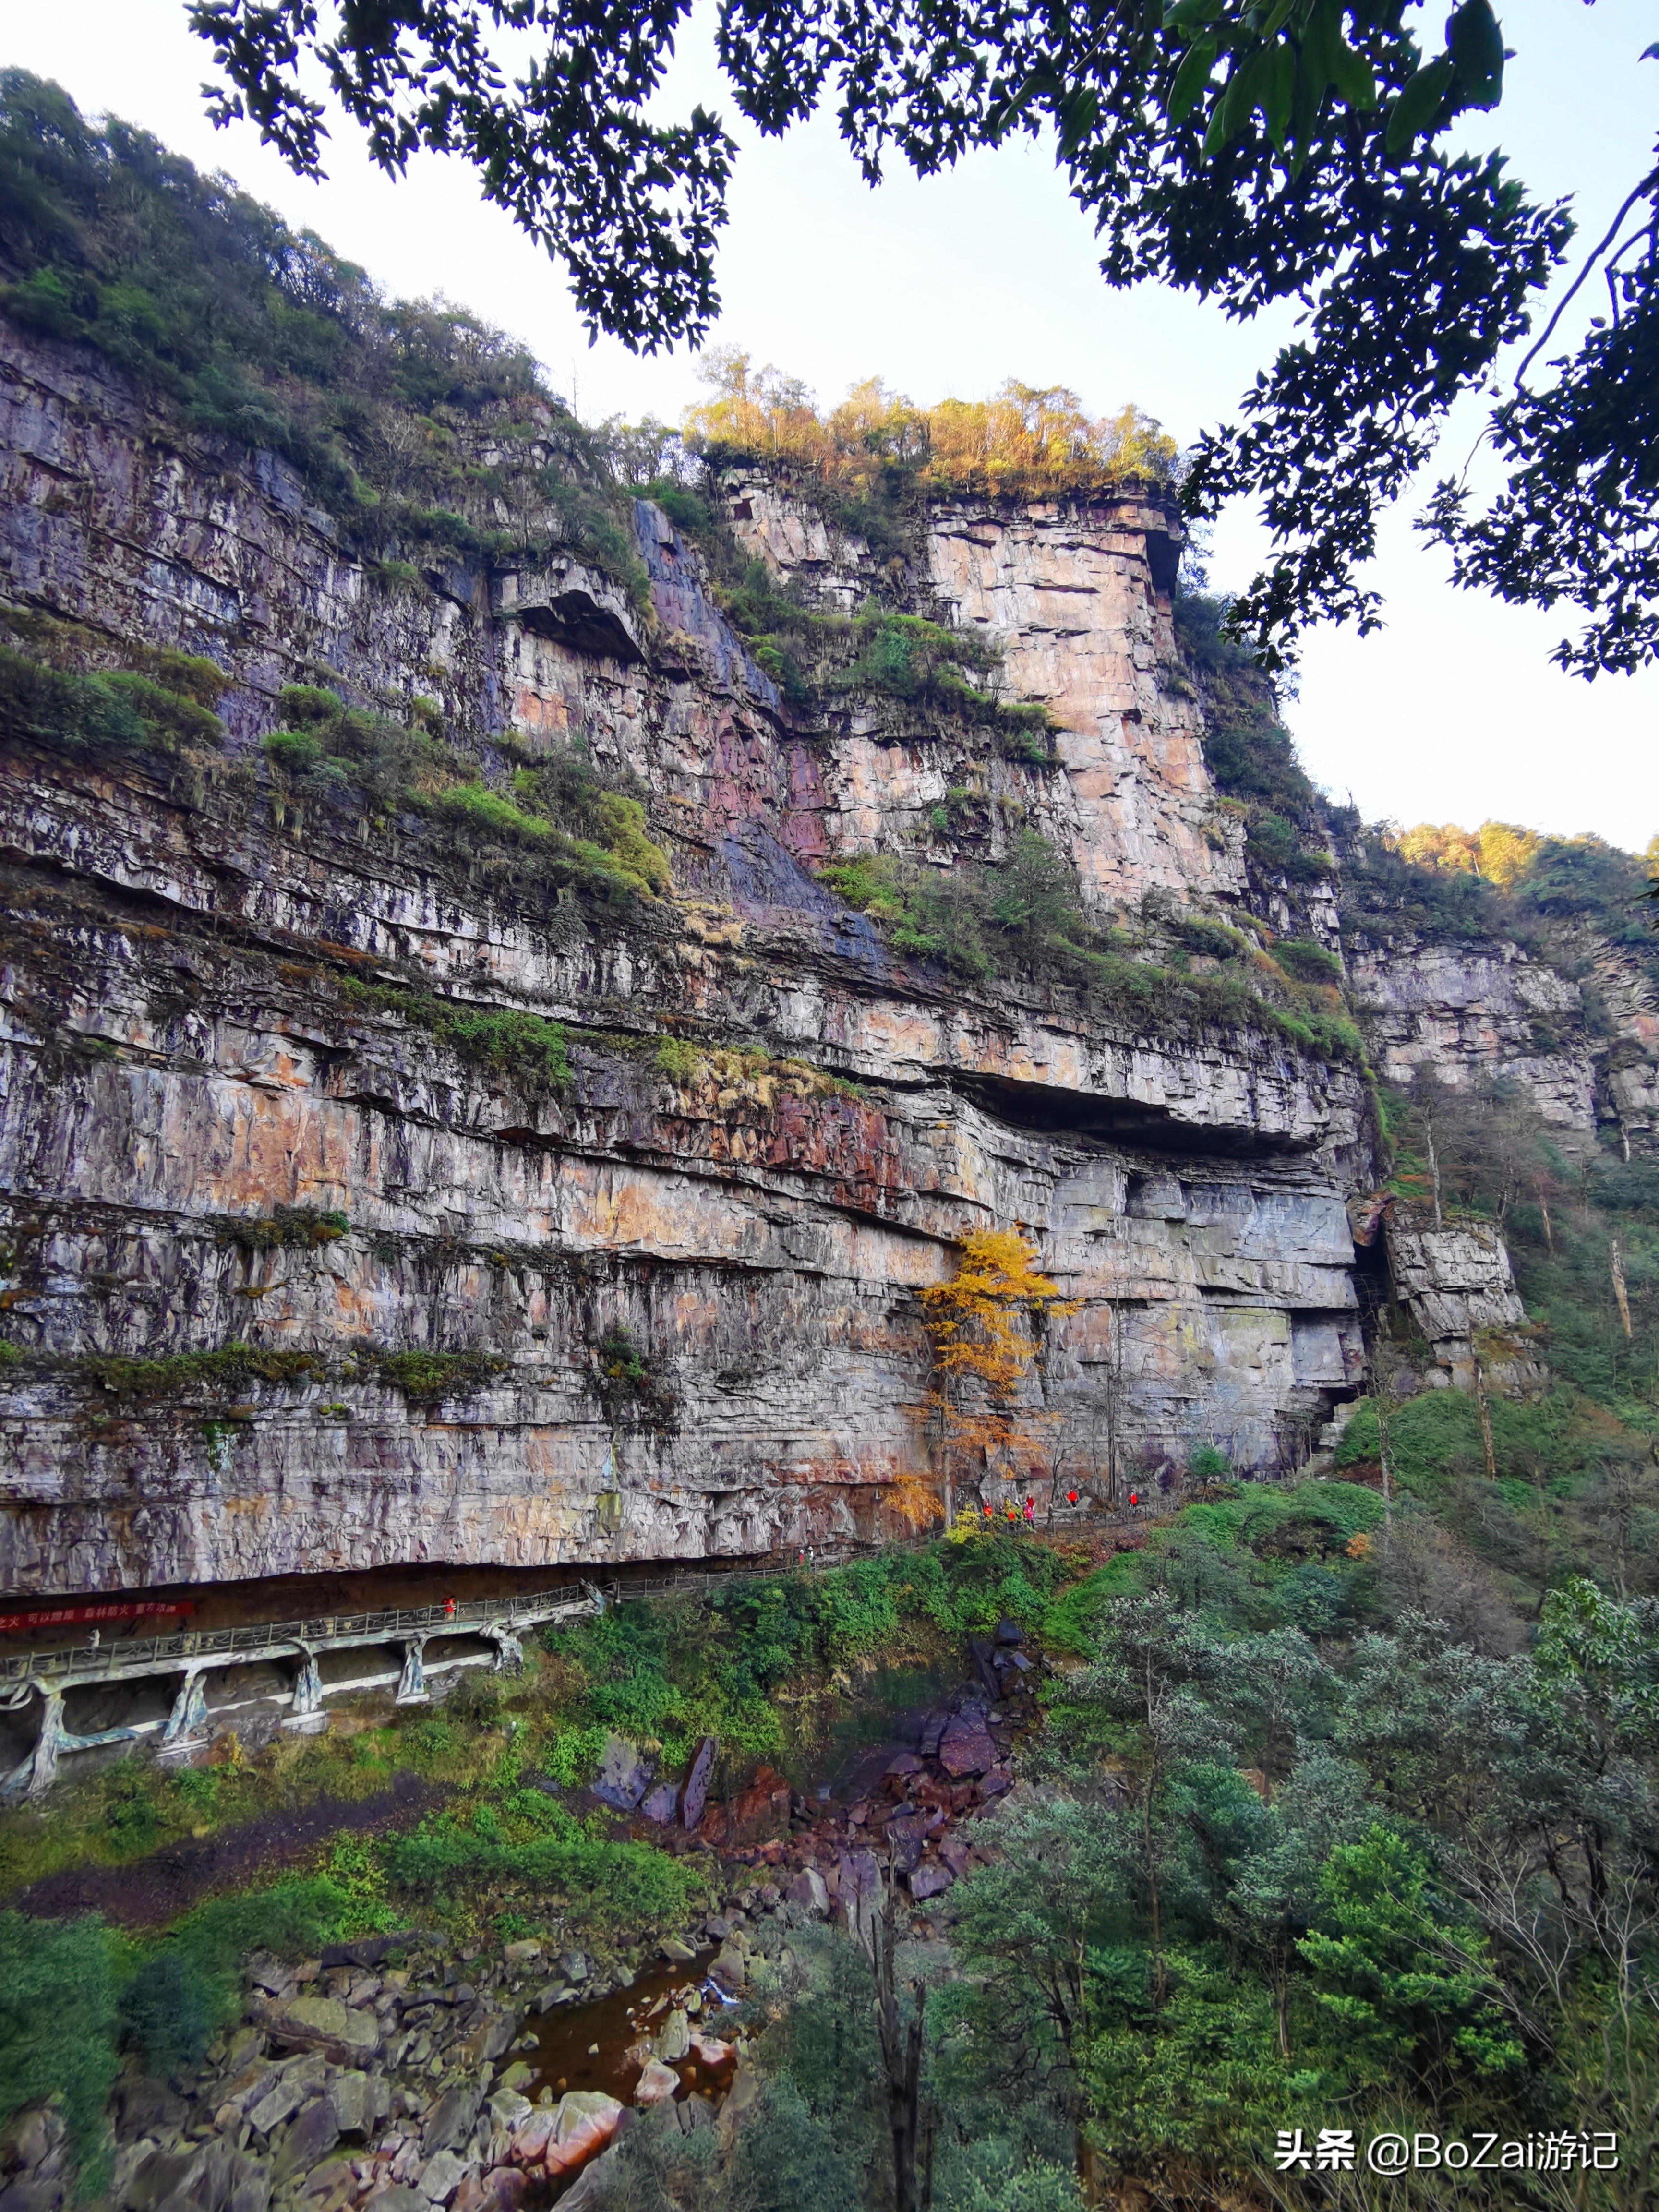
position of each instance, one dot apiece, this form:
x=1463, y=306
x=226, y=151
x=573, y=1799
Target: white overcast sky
x=1453, y=713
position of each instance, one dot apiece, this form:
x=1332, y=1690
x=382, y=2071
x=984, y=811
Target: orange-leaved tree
x=984, y=1324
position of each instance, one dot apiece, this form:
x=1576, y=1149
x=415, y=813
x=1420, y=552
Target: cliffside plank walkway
x=191, y=1655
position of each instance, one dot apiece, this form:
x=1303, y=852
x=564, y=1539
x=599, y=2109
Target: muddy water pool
x=564, y=2059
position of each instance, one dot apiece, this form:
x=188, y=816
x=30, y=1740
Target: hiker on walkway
x=1030, y=1513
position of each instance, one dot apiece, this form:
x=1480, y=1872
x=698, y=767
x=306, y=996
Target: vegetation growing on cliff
x=984, y=1324
x=1501, y=880
x=1247, y=749
x=304, y=1227
x=428, y=1378
x=527, y=1047
x=419, y=429
x=1022, y=914
x=1580, y=1224
x=61, y=691
x=1239, y=154
x=1311, y=1833
x=218, y=1373
x=559, y=821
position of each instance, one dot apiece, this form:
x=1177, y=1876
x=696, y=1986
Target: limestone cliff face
x=193, y=1041
x=1076, y=599
x=1467, y=1011
x=1482, y=1011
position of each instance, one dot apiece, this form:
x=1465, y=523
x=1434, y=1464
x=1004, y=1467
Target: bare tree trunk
x=1159, y=1985
x=1616, y=1261
x=901, y=2053
x=1434, y=1174
x=1114, y=1377
x=1544, y=1208
x=1485, y=1404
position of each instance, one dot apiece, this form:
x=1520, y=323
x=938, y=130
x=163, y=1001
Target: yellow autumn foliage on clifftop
x=1499, y=851
x=1027, y=441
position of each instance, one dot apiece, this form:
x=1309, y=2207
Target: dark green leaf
x=1190, y=80
x=1419, y=104
x=1192, y=14
x=1477, y=48
x=1244, y=88
x=1353, y=76
x=1278, y=84
x=1312, y=77
x=1078, y=113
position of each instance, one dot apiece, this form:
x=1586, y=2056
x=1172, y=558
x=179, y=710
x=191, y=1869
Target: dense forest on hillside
x=421, y=431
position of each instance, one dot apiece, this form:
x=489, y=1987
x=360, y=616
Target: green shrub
x=80, y=715
x=606, y=1884
x=678, y=1060
x=233, y=323
x=171, y=719
x=1307, y=962
x=296, y=752
x=303, y=1226
x=118, y=711
x=309, y=706
x=1277, y=846
x=57, y=2029
x=165, y=2015
x=685, y=508
x=625, y=1377
x=1214, y=940
x=574, y=1755
x=643, y=863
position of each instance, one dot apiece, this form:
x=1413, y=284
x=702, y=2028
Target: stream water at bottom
x=565, y=2058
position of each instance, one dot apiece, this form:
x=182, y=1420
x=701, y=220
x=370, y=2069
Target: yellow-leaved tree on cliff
x=983, y=1324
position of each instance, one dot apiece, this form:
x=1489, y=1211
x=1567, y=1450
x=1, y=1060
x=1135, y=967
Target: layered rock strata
x=217, y=1009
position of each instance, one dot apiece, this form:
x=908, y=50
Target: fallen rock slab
x=811, y=1891
x=324, y=2024
x=395, y=2197
x=533, y=2135
x=657, y=2083
x=625, y=1774
x=696, y=1783
x=441, y=2176
x=966, y=1746
x=450, y=2119
x=584, y=2122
